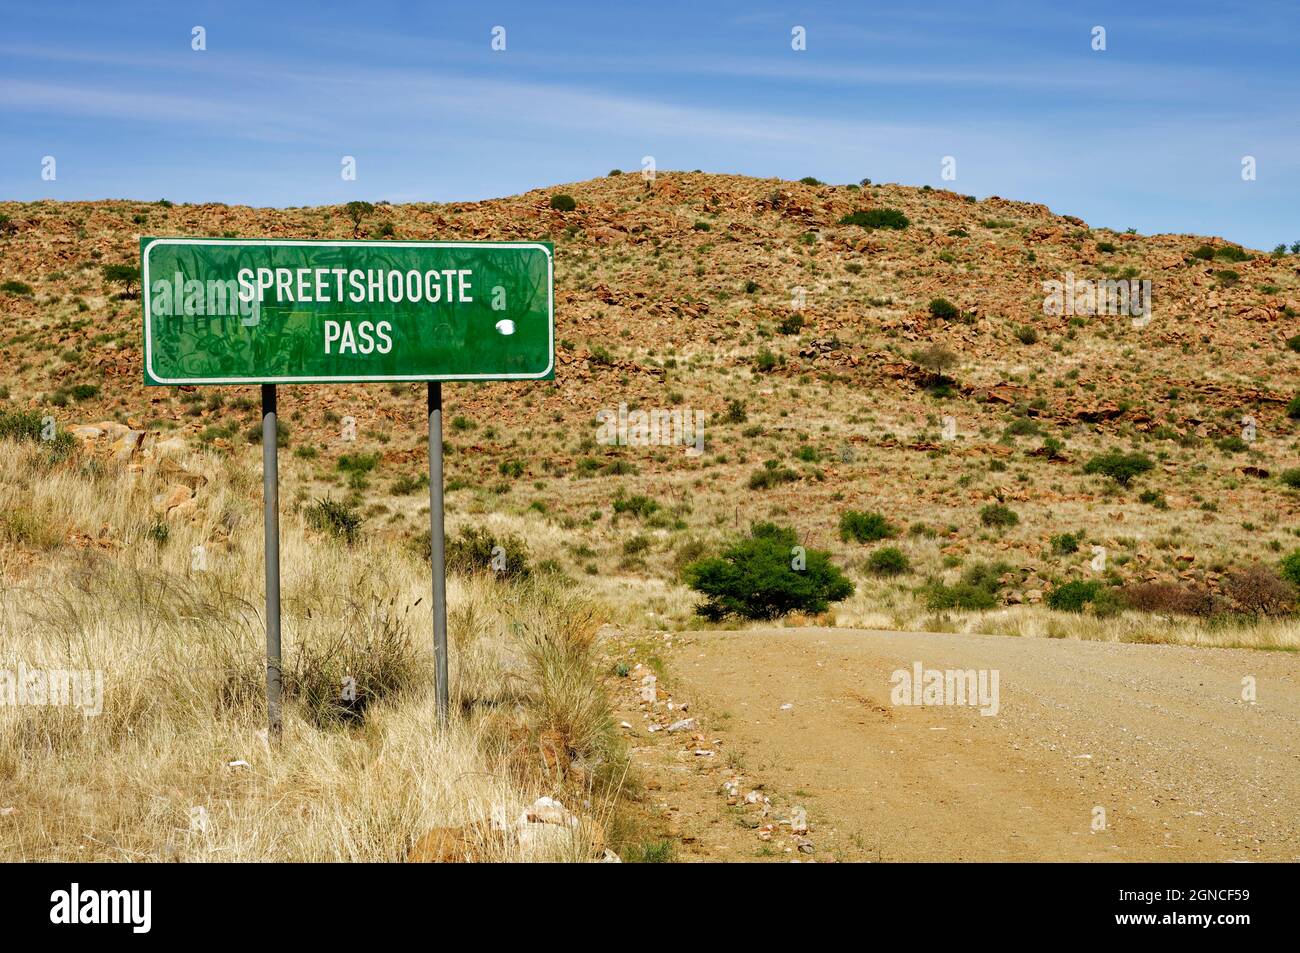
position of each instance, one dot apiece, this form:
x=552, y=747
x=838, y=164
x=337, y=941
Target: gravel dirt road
x=1157, y=737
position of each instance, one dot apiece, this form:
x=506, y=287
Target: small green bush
x=358, y=462
x=888, y=561
x=1119, y=466
x=791, y=324
x=1073, y=596
x=944, y=309
x=476, y=550
x=337, y=518
x=1291, y=478
x=562, y=202
x=639, y=505
x=868, y=527
x=30, y=426
x=986, y=575
x=997, y=516
x=1293, y=408
x=125, y=275
x=877, y=218
x=1066, y=543
x=757, y=578
x=1232, y=253
x=1291, y=568
x=962, y=596
x=771, y=475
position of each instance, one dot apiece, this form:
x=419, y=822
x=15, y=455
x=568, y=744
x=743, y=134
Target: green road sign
x=273, y=311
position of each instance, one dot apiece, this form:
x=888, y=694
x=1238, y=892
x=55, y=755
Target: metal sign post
x=270, y=311
x=271, y=535
x=437, y=548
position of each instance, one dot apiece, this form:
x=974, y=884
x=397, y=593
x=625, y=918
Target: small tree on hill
x=936, y=359
x=357, y=211
x=1120, y=467
x=125, y=275
x=767, y=576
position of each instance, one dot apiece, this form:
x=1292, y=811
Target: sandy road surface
x=1157, y=736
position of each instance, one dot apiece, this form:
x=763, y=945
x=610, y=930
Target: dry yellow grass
x=178, y=764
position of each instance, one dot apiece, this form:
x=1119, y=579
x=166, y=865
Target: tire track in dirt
x=1158, y=737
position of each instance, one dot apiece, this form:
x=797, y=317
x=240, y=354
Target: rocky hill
x=911, y=351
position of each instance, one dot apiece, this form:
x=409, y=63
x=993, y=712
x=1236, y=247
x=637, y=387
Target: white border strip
x=153, y=378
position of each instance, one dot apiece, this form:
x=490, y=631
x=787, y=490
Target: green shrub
x=1204, y=252
x=125, y=275
x=1073, y=596
x=357, y=211
x=254, y=433
x=1027, y=335
x=791, y=324
x=811, y=180
x=962, y=595
x=563, y=203
x=28, y=425
x=944, y=309
x=1120, y=467
x=888, y=561
x=1022, y=427
x=771, y=475
x=877, y=218
x=337, y=518
x=868, y=527
x=1293, y=408
x=984, y=575
x=1291, y=568
x=477, y=550
x=757, y=578
x=17, y=288
x=1291, y=478
x=1066, y=543
x=358, y=462
x=639, y=505
x=997, y=516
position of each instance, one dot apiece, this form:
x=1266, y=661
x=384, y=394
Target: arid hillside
x=845, y=358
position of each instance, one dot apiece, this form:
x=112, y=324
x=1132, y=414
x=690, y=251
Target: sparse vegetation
x=877, y=218
x=865, y=527
x=1119, y=466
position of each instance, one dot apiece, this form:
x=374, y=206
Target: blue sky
x=1148, y=134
